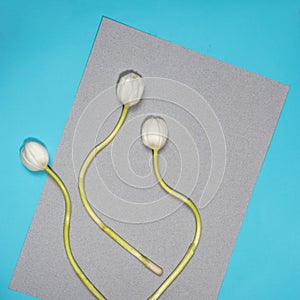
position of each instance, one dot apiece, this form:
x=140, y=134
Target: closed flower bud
x=34, y=156
x=154, y=133
x=130, y=89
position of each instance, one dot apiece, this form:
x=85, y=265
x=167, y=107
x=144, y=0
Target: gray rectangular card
x=221, y=120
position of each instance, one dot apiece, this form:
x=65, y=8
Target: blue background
x=44, y=46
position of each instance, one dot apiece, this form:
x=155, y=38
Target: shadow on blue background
x=44, y=46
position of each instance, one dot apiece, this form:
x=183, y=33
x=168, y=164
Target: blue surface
x=44, y=46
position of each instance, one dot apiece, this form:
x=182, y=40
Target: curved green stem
x=81, y=185
x=191, y=250
x=67, y=245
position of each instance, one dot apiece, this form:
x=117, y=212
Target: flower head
x=130, y=88
x=34, y=156
x=154, y=133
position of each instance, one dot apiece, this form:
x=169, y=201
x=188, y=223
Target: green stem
x=81, y=186
x=67, y=245
x=191, y=250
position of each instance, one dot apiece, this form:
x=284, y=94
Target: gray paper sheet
x=221, y=120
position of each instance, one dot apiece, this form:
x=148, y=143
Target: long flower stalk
x=66, y=236
x=81, y=186
x=191, y=250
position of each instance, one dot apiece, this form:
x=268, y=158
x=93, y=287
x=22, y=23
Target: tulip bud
x=154, y=133
x=130, y=88
x=34, y=156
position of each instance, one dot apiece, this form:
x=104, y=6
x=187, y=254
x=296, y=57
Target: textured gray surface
x=245, y=106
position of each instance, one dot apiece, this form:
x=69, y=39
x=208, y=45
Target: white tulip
x=154, y=133
x=34, y=156
x=130, y=89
